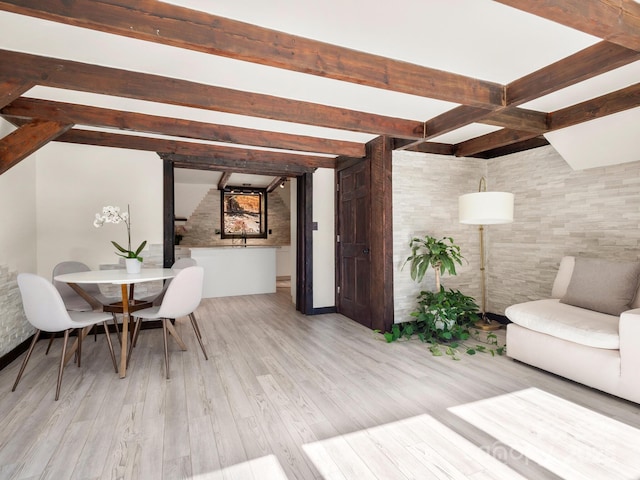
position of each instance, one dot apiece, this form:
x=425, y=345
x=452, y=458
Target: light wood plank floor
x=282, y=396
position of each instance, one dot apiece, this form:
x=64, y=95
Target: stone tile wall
x=205, y=221
x=425, y=202
x=558, y=211
x=14, y=328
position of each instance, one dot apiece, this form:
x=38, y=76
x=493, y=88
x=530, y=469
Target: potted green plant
x=442, y=255
x=443, y=318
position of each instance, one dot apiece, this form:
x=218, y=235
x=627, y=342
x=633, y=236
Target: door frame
x=304, y=244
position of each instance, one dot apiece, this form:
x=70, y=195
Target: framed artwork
x=244, y=212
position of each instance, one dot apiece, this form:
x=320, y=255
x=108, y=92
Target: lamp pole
x=485, y=208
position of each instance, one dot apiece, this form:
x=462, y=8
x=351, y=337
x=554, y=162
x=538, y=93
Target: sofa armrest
x=629, y=331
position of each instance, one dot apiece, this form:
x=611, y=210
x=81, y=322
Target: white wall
x=18, y=229
x=324, y=238
x=188, y=196
x=18, y=253
x=74, y=182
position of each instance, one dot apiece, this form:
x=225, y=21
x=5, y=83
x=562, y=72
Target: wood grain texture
x=282, y=396
x=184, y=28
x=104, y=117
x=566, y=438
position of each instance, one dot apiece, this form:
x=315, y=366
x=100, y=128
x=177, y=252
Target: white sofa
x=601, y=350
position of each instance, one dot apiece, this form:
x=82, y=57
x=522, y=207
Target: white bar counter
x=237, y=270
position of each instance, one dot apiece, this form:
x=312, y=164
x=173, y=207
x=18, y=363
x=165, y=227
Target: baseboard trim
x=322, y=310
x=498, y=318
x=9, y=357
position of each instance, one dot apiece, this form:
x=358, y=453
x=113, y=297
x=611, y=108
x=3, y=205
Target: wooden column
x=304, y=254
x=168, y=217
x=379, y=153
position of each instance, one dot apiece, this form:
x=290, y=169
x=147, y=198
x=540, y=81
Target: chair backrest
x=184, y=263
x=43, y=304
x=72, y=267
x=177, y=265
x=183, y=294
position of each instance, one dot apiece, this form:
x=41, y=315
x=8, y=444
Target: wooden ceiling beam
x=514, y=117
x=614, y=102
x=154, y=88
x=491, y=141
x=168, y=24
x=590, y=62
x=204, y=162
x=604, y=105
x=102, y=117
x=224, y=180
x=164, y=146
x=435, y=148
x=11, y=88
x=617, y=21
x=518, y=118
x=275, y=183
x=539, y=141
x=28, y=138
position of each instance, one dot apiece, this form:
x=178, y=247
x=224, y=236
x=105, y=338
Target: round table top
x=119, y=276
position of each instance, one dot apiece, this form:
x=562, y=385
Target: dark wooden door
x=353, y=248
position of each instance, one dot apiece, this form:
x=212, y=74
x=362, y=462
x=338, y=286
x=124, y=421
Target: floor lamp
x=485, y=208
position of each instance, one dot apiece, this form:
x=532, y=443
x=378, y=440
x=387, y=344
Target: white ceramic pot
x=133, y=265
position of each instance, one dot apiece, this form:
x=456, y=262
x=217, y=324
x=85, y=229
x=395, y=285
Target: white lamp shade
x=486, y=208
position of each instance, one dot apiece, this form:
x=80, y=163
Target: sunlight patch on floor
x=263, y=468
x=566, y=439
x=417, y=447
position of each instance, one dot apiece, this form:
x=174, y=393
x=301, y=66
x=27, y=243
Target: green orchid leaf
x=142, y=245
x=123, y=250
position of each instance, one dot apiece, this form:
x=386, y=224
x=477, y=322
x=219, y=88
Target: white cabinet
x=237, y=270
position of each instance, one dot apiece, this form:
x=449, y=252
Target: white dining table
x=125, y=280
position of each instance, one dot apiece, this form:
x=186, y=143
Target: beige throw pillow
x=602, y=285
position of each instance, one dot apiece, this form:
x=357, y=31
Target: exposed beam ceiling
x=458, y=101
x=26, y=108
x=617, y=21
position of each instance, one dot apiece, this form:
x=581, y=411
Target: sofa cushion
x=574, y=324
x=563, y=277
x=603, y=286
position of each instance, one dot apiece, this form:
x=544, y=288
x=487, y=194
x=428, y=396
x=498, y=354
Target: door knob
x=365, y=251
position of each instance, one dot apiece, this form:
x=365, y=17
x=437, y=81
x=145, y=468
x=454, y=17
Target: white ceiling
x=478, y=38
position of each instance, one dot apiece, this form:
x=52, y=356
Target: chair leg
x=108, y=335
x=61, y=369
x=51, y=339
x=115, y=324
x=79, y=351
x=132, y=343
x=196, y=329
x=136, y=332
x=166, y=346
x=26, y=359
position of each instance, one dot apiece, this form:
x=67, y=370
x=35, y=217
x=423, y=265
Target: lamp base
x=487, y=324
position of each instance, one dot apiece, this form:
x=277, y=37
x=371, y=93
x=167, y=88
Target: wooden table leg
x=125, y=331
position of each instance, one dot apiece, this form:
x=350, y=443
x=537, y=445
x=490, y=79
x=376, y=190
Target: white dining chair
x=156, y=299
x=73, y=301
x=45, y=310
x=181, y=299
x=179, y=264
